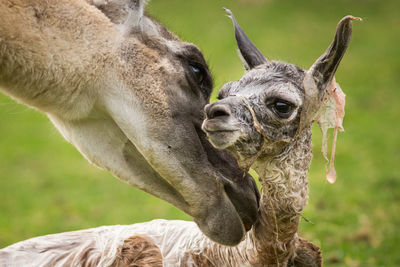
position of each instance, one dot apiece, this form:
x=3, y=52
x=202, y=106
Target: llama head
x=273, y=101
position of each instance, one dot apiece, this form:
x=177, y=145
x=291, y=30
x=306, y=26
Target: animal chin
x=223, y=224
x=223, y=139
x=220, y=136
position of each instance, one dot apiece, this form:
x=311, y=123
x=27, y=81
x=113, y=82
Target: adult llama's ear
x=126, y=13
x=250, y=55
x=323, y=70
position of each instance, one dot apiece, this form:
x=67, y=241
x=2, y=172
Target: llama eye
x=282, y=109
x=198, y=73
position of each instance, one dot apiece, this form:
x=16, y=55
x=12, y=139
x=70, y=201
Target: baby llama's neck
x=273, y=240
x=284, y=185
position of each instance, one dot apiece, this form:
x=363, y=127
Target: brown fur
x=139, y=251
x=110, y=88
x=307, y=255
x=200, y=260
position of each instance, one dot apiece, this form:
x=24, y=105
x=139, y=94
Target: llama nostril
x=218, y=111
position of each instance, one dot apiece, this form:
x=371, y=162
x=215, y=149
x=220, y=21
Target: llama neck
x=284, y=186
x=273, y=239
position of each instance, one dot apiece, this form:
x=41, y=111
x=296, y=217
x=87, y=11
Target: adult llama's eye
x=282, y=109
x=198, y=73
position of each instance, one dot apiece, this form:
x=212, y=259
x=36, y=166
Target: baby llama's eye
x=283, y=109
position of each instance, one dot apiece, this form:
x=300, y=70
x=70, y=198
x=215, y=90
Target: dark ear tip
x=344, y=27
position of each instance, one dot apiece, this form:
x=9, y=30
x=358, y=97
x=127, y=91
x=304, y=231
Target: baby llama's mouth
x=217, y=126
x=220, y=134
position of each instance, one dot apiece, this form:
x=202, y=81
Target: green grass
x=46, y=186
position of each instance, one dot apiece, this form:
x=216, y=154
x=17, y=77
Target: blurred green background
x=46, y=186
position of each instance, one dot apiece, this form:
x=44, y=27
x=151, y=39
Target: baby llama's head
x=274, y=101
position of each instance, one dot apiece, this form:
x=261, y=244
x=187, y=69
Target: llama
x=265, y=119
x=111, y=79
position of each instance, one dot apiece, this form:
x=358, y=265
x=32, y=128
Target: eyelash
x=281, y=114
x=202, y=80
x=198, y=72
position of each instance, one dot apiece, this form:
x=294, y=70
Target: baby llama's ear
x=323, y=70
x=248, y=52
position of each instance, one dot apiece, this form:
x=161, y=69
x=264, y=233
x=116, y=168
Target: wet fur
x=277, y=144
x=138, y=251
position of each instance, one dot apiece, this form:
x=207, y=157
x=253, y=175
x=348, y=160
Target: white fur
x=177, y=240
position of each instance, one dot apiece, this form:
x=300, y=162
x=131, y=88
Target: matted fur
x=283, y=179
x=138, y=251
x=265, y=119
x=307, y=255
x=181, y=243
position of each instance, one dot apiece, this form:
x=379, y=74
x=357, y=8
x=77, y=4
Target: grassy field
x=46, y=186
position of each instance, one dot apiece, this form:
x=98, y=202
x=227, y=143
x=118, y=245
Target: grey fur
x=265, y=119
x=265, y=84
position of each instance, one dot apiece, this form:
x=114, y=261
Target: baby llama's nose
x=217, y=110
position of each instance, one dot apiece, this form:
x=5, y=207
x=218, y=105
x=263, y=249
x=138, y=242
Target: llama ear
x=248, y=52
x=127, y=12
x=323, y=70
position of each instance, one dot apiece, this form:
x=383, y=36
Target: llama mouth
x=220, y=134
x=213, y=126
x=216, y=131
